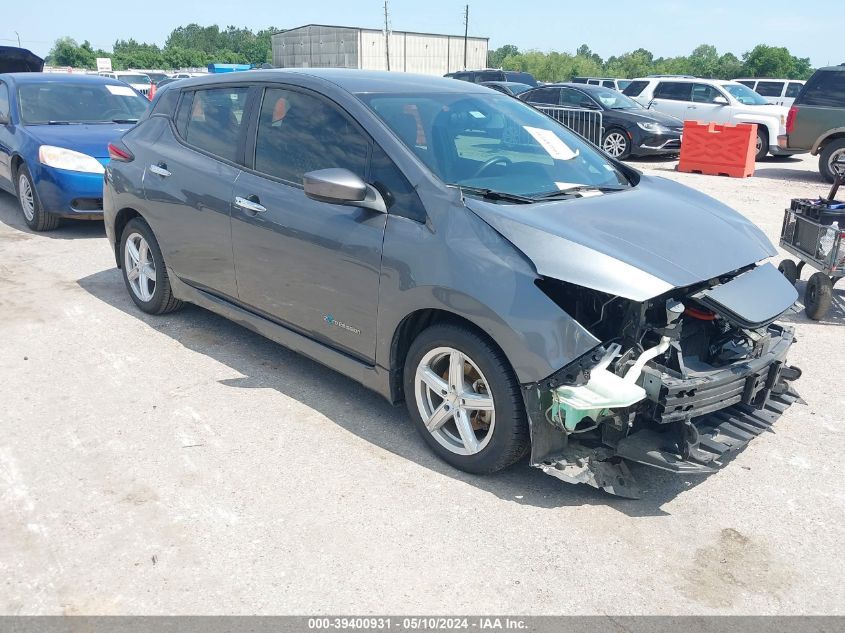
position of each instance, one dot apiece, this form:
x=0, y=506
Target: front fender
x=479, y=276
x=774, y=127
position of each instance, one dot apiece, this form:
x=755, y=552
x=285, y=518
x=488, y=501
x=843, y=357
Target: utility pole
x=19, y=38
x=386, y=37
x=466, y=34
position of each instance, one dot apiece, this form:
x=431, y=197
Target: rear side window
x=769, y=88
x=826, y=88
x=747, y=84
x=673, y=90
x=214, y=121
x=545, y=96
x=635, y=88
x=298, y=133
x=793, y=89
x=609, y=84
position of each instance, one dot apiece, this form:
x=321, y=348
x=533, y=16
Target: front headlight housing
x=63, y=158
x=651, y=126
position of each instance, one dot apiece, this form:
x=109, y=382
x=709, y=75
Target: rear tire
x=828, y=155
x=34, y=214
x=789, y=269
x=144, y=271
x=762, y=143
x=818, y=296
x=485, y=378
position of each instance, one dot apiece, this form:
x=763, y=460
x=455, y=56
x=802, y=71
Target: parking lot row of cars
x=644, y=116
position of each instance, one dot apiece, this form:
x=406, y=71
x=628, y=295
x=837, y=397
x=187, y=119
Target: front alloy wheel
x=454, y=401
x=616, y=144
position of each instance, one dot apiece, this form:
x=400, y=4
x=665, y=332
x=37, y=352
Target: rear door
x=672, y=98
x=312, y=265
x=188, y=185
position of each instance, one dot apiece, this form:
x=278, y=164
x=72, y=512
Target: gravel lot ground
x=182, y=464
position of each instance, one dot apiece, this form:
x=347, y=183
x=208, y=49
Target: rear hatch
x=19, y=60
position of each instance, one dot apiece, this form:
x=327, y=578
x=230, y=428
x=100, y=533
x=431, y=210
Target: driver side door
x=702, y=107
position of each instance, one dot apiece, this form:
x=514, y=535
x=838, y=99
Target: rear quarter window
x=826, y=89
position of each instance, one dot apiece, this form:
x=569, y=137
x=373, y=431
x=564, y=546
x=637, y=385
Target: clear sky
x=809, y=28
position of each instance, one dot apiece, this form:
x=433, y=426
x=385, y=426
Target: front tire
x=789, y=269
x=831, y=152
x=34, y=215
x=616, y=144
x=762, y=143
x=465, y=400
x=144, y=271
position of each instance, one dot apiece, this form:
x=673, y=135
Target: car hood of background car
x=637, y=243
x=90, y=139
x=647, y=115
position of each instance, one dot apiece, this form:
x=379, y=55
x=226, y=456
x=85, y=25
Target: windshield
x=495, y=142
x=156, y=77
x=134, y=79
x=744, y=94
x=78, y=103
x=613, y=100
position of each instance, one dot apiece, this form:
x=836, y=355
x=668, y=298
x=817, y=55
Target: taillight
x=119, y=153
x=790, y=119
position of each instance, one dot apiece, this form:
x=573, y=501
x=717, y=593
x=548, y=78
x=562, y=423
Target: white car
x=139, y=81
x=714, y=101
x=775, y=91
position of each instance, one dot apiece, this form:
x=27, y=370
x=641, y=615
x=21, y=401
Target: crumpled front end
x=679, y=382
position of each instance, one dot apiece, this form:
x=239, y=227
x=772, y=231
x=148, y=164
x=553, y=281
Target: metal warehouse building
x=319, y=46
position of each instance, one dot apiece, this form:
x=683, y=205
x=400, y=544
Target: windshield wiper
x=492, y=194
x=574, y=191
x=58, y=122
x=124, y=120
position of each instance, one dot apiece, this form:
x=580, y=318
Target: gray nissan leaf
x=453, y=248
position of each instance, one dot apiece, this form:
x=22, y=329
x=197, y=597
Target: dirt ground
x=182, y=464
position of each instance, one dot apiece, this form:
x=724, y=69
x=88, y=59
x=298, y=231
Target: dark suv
x=816, y=120
x=492, y=74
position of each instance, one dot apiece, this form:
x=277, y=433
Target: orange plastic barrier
x=719, y=150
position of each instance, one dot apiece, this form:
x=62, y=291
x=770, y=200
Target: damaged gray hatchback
x=452, y=247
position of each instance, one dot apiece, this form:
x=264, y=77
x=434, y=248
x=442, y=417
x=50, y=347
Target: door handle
x=160, y=169
x=250, y=205
x=692, y=107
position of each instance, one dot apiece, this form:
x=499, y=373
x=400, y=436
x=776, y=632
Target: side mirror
x=720, y=100
x=341, y=186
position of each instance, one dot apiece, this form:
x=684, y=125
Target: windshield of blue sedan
x=54, y=102
x=744, y=94
x=494, y=142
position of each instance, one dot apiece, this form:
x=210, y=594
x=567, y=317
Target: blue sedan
x=54, y=135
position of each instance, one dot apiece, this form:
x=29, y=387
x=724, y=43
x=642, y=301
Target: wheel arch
x=828, y=137
x=121, y=219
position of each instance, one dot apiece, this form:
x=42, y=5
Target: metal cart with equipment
x=814, y=231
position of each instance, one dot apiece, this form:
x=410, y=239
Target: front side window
x=75, y=103
x=673, y=91
x=299, y=132
x=703, y=93
x=490, y=141
x=4, y=101
x=215, y=119
x=769, y=88
x=793, y=89
x=826, y=89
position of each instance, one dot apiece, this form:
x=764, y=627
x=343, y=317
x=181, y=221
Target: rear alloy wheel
x=818, y=296
x=616, y=144
x=762, y=145
x=144, y=272
x=465, y=400
x=35, y=217
x=829, y=155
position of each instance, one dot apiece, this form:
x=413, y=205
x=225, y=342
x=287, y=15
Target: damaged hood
x=637, y=243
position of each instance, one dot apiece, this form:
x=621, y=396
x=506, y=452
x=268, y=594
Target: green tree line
x=186, y=46
x=704, y=61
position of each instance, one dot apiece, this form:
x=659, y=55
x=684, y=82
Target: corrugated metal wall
x=340, y=47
